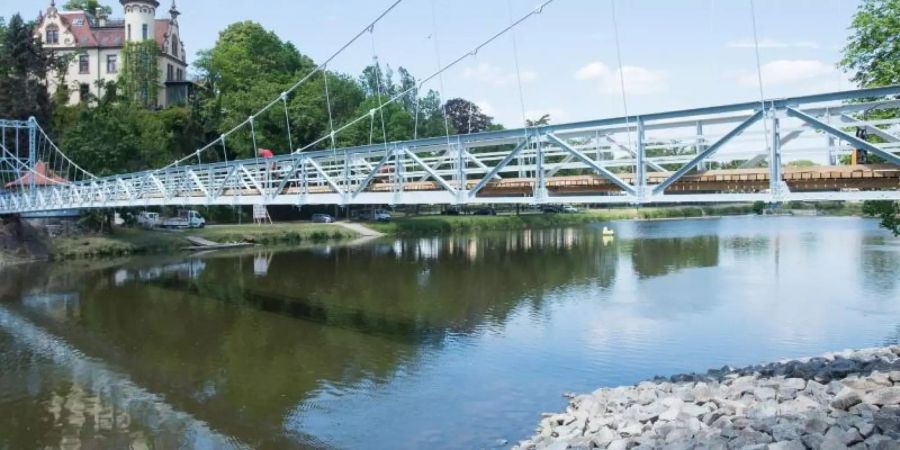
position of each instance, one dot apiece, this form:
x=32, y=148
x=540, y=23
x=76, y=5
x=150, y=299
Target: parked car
x=322, y=218
x=185, y=219
x=378, y=215
x=559, y=209
x=486, y=212
x=452, y=211
x=147, y=219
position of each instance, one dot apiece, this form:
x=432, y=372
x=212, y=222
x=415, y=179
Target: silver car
x=322, y=218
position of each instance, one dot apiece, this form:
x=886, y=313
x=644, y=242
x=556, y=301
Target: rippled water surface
x=452, y=342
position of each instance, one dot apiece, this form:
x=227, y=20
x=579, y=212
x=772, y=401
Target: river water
x=451, y=342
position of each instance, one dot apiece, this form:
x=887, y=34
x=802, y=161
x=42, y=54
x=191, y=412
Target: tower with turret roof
x=140, y=19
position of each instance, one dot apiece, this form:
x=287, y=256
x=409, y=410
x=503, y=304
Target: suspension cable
x=762, y=96
x=615, y=23
x=515, y=47
x=421, y=82
x=378, y=87
x=287, y=121
x=330, y=114
x=437, y=55
x=303, y=80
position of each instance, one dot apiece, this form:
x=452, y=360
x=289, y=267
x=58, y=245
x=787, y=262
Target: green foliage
x=801, y=163
x=247, y=68
x=466, y=117
x=118, y=138
x=88, y=6
x=23, y=72
x=139, y=80
x=872, y=53
x=539, y=122
x=888, y=211
x=759, y=207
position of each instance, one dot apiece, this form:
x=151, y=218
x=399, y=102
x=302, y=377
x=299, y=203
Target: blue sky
x=677, y=54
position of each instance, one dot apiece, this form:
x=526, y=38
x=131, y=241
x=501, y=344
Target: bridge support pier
x=776, y=184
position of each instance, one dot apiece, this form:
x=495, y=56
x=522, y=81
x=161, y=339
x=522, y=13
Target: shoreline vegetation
x=134, y=241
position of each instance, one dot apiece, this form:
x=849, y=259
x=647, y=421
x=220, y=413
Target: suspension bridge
x=727, y=153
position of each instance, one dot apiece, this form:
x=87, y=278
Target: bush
x=759, y=207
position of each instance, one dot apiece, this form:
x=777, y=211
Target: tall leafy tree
x=872, y=52
x=88, y=6
x=246, y=69
x=24, y=65
x=539, y=122
x=466, y=117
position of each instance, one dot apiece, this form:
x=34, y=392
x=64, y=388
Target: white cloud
x=486, y=107
x=638, y=80
x=593, y=70
x=497, y=76
x=785, y=71
x=772, y=43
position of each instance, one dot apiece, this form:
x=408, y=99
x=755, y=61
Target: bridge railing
x=662, y=157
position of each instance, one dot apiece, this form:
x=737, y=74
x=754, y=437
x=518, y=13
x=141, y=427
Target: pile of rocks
x=841, y=400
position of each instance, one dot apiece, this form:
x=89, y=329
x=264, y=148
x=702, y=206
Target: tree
x=466, y=117
x=140, y=73
x=246, y=69
x=872, y=53
x=88, y=6
x=539, y=122
x=24, y=65
x=888, y=211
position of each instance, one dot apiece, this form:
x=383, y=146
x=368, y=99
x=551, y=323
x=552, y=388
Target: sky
x=675, y=54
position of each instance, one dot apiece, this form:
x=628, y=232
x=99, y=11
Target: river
x=447, y=342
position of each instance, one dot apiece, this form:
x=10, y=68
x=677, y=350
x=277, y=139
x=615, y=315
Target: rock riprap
x=841, y=400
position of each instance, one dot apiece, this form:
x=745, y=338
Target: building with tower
x=96, y=42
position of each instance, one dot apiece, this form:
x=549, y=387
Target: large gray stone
x=786, y=431
x=762, y=410
x=603, y=437
x=887, y=420
x=846, y=398
x=694, y=410
x=885, y=396
x=845, y=437
x=748, y=437
x=787, y=445
x=832, y=443
x=631, y=429
x=813, y=440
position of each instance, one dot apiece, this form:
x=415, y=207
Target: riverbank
x=841, y=400
x=132, y=241
x=435, y=225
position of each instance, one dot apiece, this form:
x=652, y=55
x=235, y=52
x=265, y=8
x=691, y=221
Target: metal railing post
x=775, y=158
x=641, y=169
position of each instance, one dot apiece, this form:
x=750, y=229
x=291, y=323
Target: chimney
x=101, y=16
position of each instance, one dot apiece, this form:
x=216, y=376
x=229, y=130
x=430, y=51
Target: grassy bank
x=130, y=241
x=429, y=225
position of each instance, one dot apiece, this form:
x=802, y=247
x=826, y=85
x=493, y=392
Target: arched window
x=175, y=45
x=52, y=35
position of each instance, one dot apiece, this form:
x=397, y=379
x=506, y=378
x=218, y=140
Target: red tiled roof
x=111, y=36
x=41, y=176
x=162, y=27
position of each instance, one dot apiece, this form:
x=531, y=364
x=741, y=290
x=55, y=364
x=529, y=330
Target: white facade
x=95, y=44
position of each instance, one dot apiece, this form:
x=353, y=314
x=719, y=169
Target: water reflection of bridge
x=213, y=334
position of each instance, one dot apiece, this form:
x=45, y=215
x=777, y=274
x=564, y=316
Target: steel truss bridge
x=669, y=157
